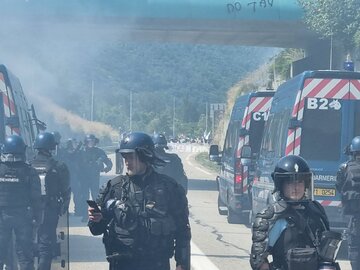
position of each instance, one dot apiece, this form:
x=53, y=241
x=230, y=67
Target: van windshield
x=320, y=135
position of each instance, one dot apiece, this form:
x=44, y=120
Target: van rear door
x=327, y=109
x=255, y=115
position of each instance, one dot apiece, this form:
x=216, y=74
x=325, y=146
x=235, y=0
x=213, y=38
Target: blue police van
x=18, y=118
x=245, y=129
x=15, y=116
x=315, y=115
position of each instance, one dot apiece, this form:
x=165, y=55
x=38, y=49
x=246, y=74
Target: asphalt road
x=215, y=243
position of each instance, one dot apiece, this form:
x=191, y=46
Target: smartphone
x=94, y=205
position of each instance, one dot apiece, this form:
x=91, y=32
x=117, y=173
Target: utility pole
x=206, y=117
x=174, y=113
x=130, y=117
x=331, y=51
x=92, y=101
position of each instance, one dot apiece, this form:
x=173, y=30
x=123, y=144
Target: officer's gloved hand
x=106, y=170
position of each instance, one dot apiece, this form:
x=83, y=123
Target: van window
x=231, y=139
x=321, y=134
x=275, y=134
x=270, y=143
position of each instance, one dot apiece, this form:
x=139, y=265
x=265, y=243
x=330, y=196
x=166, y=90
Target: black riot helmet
x=45, y=141
x=13, y=149
x=292, y=168
x=160, y=141
x=91, y=140
x=355, y=145
x=143, y=145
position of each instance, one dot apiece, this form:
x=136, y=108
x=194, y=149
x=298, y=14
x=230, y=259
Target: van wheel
x=232, y=217
x=222, y=209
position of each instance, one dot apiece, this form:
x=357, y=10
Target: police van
x=16, y=117
x=314, y=115
x=245, y=129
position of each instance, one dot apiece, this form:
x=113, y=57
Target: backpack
x=351, y=189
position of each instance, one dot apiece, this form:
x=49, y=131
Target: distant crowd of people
x=85, y=161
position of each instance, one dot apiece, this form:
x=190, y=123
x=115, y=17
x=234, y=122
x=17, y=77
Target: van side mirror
x=294, y=123
x=214, y=154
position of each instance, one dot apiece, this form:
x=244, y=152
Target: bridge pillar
x=319, y=57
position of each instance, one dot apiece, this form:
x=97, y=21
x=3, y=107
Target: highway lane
x=216, y=245
x=225, y=245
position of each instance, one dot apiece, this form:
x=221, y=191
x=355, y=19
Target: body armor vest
x=351, y=189
x=14, y=186
x=294, y=235
x=142, y=223
x=47, y=171
x=352, y=180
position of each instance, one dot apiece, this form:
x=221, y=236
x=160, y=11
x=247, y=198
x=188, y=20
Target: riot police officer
x=72, y=159
x=294, y=229
x=144, y=214
x=348, y=183
x=20, y=202
x=173, y=166
x=55, y=190
x=94, y=161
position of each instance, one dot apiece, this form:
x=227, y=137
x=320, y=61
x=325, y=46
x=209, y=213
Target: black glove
x=107, y=169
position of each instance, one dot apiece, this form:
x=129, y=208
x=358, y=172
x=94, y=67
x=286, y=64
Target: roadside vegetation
x=336, y=20
x=203, y=159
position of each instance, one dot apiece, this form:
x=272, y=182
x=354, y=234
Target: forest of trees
x=159, y=77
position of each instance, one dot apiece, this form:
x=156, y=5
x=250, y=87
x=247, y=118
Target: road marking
x=199, y=261
x=192, y=165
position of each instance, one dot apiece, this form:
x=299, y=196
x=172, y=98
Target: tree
x=334, y=18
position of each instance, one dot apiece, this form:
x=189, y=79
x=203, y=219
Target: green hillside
x=156, y=73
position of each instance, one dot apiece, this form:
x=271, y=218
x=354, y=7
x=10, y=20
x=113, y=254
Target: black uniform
x=346, y=182
x=145, y=219
x=281, y=228
x=72, y=159
x=172, y=168
x=20, y=204
x=55, y=180
x=93, y=160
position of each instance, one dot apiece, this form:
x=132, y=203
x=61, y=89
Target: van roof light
x=348, y=64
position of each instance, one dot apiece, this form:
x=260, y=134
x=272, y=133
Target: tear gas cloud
x=76, y=123
x=41, y=54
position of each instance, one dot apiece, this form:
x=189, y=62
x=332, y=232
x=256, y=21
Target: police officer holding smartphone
x=144, y=214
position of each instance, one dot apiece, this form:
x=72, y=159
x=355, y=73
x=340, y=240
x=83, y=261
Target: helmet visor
x=295, y=187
